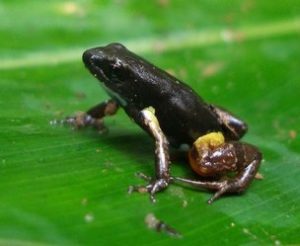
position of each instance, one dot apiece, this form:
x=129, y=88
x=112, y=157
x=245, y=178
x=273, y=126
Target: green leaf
x=60, y=186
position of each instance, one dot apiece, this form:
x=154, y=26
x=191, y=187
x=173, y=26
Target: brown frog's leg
x=94, y=116
x=215, y=159
x=149, y=122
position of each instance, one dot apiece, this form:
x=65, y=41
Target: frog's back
x=182, y=114
x=186, y=116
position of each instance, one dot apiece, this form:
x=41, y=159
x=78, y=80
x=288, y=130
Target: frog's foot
x=154, y=186
x=221, y=187
x=226, y=186
x=82, y=119
x=212, y=157
x=235, y=185
x=92, y=117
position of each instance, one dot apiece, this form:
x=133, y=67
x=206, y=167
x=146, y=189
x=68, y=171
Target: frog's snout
x=91, y=55
x=86, y=56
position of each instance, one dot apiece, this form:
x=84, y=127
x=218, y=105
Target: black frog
x=172, y=113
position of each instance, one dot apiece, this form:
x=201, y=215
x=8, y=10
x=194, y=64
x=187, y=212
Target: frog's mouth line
x=96, y=71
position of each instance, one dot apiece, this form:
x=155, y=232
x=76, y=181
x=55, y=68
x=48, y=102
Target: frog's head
x=121, y=72
x=107, y=63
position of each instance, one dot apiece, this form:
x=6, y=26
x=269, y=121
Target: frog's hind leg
x=94, y=116
x=232, y=127
x=147, y=119
x=245, y=163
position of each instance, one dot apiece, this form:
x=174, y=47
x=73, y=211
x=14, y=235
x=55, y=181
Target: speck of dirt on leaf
x=80, y=95
x=71, y=8
x=259, y=176
x=163, y=3
x=184, y=203
x=177, y=191
x=154, y=223
x=247, y=232
x=277, y=242
x=292, y=134
x=247, y=5
x=229, y=36
x=182, y=73
x=119, y=170
x=151, y=221
x=84, y=201
x=171, y=71
x=59, y=113
x=230, y=17
x=47, y=106
x=212, y=69
x=108, y=164
x=89, y=217
x=159, y=47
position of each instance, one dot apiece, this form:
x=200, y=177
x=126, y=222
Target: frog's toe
x=152, y=188
x=143, y=176
x=137, y=188
x=225, y=187
x=82, y=119
x=156, y=186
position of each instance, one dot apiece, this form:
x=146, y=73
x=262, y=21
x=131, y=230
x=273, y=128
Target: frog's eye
x=119, y=72
x=118, y=77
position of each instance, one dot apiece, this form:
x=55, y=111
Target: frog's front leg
x=94, y=116
x=149, y=122
x=212, y=157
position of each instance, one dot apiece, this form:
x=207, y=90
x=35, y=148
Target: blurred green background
x=65, y=187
